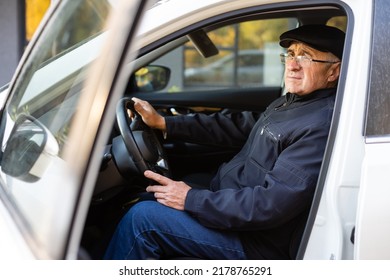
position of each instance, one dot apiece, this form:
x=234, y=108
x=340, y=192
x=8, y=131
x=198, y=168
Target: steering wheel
x=142, y=144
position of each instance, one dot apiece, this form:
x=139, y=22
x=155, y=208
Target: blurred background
x=18, y=22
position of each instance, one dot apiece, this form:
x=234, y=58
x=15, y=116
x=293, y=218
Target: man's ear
x=334, y=72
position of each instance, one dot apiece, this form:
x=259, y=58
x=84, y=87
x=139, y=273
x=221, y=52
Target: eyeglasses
x=302, y=60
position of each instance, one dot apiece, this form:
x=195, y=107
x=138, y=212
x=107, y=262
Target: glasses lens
x=303, y=61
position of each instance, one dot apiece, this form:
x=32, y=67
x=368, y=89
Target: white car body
x=354, y=195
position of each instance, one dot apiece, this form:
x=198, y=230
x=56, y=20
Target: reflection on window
x=49, y=86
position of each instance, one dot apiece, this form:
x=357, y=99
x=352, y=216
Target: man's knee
x=143, y=213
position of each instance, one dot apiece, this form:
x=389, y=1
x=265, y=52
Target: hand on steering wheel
x=142, y=143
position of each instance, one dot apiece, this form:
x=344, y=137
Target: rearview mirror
x=151, y=78
x=29, y=150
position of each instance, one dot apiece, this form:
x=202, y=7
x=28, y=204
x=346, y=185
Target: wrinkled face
x=304, y=78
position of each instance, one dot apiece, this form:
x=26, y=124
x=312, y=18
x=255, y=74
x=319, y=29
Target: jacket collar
x=318, y=94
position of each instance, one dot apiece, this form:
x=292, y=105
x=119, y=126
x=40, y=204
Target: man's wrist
x=162, y=126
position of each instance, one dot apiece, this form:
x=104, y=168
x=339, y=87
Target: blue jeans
x=151, y=230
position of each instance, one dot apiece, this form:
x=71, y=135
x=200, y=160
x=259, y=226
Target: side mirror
x=29, y=150
x=151, y=78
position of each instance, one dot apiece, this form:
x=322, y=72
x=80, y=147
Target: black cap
x=320, y=37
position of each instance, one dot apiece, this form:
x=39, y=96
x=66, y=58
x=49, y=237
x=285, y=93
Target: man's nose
x=293, y=65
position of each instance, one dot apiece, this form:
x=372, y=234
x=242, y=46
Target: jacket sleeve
x=229, y=130
x=286, y=193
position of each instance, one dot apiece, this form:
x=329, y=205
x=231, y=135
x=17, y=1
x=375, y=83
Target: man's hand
x=149, y=115
x=169, y=193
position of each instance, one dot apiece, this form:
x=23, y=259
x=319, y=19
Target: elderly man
x=258, y=203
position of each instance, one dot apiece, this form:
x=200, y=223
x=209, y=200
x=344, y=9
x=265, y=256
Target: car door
x=371, y=234
x=45, y=154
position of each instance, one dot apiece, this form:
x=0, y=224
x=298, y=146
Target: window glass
x=44, y=100
x=248, y=56
x=340, y=22
x=378, y=115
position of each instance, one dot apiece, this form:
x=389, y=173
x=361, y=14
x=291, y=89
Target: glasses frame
x=285, y=57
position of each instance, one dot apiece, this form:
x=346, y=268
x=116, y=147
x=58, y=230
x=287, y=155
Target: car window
x=377, y=127
x=248, y=56
x=38, y=118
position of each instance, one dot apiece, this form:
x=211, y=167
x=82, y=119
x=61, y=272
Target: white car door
x=372, y=232
x=50, y=123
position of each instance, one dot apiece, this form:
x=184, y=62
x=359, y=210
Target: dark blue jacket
x=266, y=190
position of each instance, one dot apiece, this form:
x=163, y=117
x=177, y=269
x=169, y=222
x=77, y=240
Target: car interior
x=133, y=147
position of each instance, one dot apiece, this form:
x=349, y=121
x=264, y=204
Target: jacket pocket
x=266, y=147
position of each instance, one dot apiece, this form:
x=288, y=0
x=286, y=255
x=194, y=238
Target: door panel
x=255, y=99
x=372, y=234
